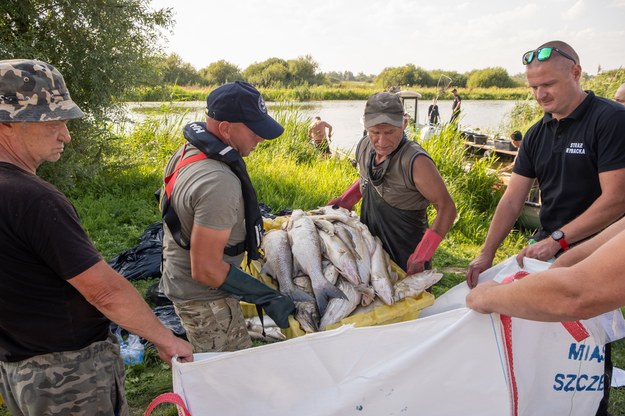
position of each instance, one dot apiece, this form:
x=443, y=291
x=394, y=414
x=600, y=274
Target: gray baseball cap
x=32, y=91
x=384, y=108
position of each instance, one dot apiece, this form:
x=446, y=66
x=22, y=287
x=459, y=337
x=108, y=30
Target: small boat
x=529, y=218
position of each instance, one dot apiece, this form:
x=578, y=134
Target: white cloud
x=576, y=11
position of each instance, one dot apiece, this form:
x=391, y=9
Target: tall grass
x=321, y=93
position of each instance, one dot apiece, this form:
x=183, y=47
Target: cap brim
x=374, y=119
x=267, y=128
x=37, y=113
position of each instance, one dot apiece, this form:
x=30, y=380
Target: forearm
x=603, y=212
x=540, y=296
x=445, y=217
x=120, y=302
x=505, y=216
x=582, y=251
x=211, y=274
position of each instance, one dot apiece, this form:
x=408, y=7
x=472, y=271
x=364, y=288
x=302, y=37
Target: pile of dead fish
x=328, y=262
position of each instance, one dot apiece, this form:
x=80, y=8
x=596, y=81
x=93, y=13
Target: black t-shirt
x=567, y=156
x=457, y=99
x=42, y=245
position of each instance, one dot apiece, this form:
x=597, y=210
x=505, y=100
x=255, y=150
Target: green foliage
x=221, y=72
x=99, y=47
x=473, y=186
x=606, y=83
x=524, y=114
x=343, y=91
x=303, y=71
x=289, y=173
x=458, y=80
x=407, y=75
x=490, y=77
x=174, y=70
x=275, y=72
x=102, y=49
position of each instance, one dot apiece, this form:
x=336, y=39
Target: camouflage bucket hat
x=33, y=90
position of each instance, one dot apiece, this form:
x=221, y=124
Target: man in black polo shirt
x=577, y=153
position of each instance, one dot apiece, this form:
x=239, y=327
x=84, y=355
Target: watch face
x=557, y=235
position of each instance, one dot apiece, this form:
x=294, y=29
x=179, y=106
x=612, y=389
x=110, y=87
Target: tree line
x=304, y=70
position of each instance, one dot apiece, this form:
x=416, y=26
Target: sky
x=370, y=35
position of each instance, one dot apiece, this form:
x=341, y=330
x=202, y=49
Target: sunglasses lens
x=544, y=54
x=528, y=57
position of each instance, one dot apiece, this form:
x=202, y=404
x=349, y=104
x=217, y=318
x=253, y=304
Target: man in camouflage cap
x=57, y=355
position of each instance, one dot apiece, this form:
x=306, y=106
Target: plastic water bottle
x=131, y=348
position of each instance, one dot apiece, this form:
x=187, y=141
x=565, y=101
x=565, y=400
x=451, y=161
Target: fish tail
x=326, y=293
x=298, y=295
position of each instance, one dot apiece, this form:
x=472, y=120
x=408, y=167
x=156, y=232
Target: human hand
x=414, y=266
x=476, y=299
x=477, y=266
x=349, y=198
x=424, y=252
x=542, y=250
x=175, y=347
x=341, y=203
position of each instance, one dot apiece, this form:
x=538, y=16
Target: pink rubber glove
x=424, y=252
x=349, y=198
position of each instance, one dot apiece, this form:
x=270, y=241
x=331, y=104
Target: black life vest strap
x=211, y=147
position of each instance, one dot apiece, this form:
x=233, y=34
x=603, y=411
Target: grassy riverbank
x=116, y=207
x=345, y=91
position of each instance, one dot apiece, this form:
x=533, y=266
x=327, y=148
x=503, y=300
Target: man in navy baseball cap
x=217, y=221
x=240, y=102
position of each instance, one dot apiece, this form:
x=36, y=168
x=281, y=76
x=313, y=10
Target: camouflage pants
x=89, y=382
x=214, y=326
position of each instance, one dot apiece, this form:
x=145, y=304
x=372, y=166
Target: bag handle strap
x=576, y=329
x=168, y=398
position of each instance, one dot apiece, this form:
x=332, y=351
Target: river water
x=487, y=116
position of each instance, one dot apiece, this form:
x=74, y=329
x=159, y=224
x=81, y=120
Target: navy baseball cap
x=240, y=102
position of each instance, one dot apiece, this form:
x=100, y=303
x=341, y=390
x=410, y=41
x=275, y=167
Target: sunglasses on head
x=542, y=54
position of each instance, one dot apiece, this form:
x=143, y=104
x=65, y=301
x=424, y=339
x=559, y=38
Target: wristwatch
x=558, y=235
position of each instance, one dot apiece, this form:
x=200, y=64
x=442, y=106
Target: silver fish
x=324, y=225
x=340, y=308
x=360, y=247
x=279, y=262
x=340, y=255
x=306, y=248
x=306, y=312
x=307, y=316
x=368, y=294
x=341, y=232
x=330, y=271
x=380, y=274
x=331, y=210
x=367, y=308
x=414, y=284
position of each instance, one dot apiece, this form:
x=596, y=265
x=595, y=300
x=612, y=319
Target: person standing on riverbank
x=398, y=181
x=218, y=222
x=577, y=154
x=433, y=114
x=57, y=295
x=317, y=135
x=455, y=106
